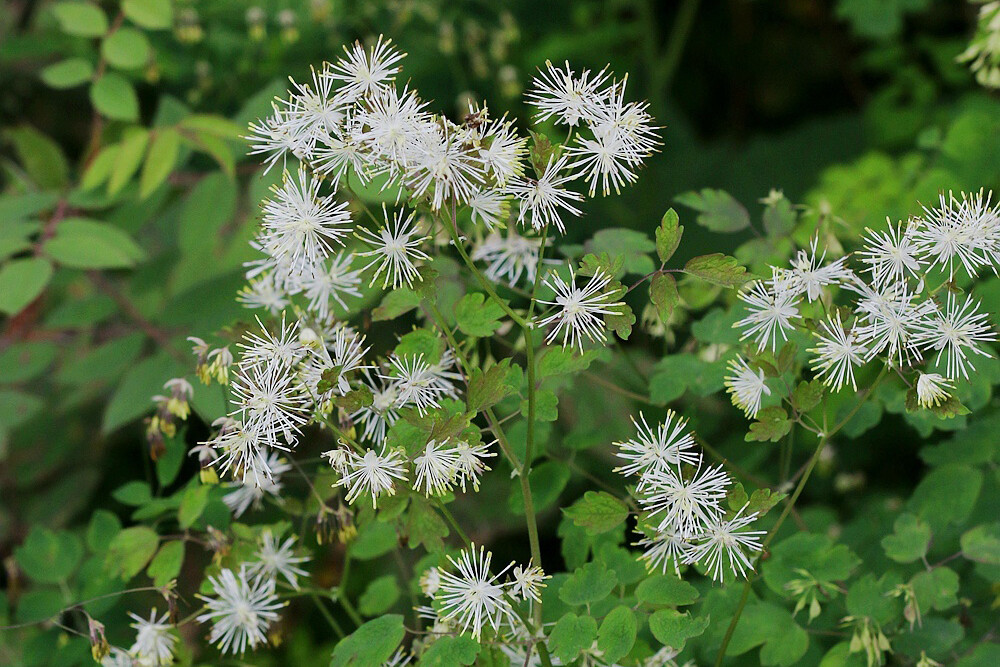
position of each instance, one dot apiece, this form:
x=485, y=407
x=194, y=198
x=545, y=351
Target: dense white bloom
x=471, y=464
x=606, y=159
x=542, y=199
x=276, y=136
x=502, y=151
x=772, y=306
x=340, y=151
x=955, y=332
x=394, y=121
x=508, y=257
x=376, y=418
x=933, y=389
x=838, y=351
x=373, y=473
x=746, y=386
x=394, y=249
x=311, y=110
x=626, y=123
x=725, y=543
x=347, y=354
x=255, y=483
x=436, y=468
x=419, y=383
x=890, y=321
x=960, y=231
x=237, y=449
x=441, y=168
x=474, y=597
x=891, y=255
x=263, y=291
x=365, y=71
x=270, y=402
x=686, y=504
x=666, y=547
x=810, y=276
x=579, y=309
x=154, y=641
x=332, y=283
x=559, y=93
x=528, y=582
x=274, y=558
x=488, y=206
x=241, y=610
x=669, y=445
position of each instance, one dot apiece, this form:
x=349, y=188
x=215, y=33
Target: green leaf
x=632, y=245
x=131, y=150
x=947, y=494
x=718, y=269
x=909, y=541
x=784, y=641
x=476, y=318
x=541, y=151
x=40, y=156
x=396, y=303
x=617, y=634
x=663, y=294
x=126, y=48
x=193, y=503
x=597, y=512
x=807, y=395
x=426, y=527
x=134, y=493
x=17, y=407
x=672, y=628
x=546, y=405
x=379, y=596
x=24, y=361
x=130, y=551
x=373, y=540
x=160, y=160
x=114, y=96
x=717, y=210
x=936, y=589
x=571, y=635
x=488, y=388
x=216, y=148
x=779, y=217
x=772, y=424
x=564, y=360
x=103, y=527
x=167, y=562
x=867, y=597
x=68, y=73
x=371, y=645
x=49, y=557
x=588, y=584
x=88, y=244
x=149, y=14
x=547, y=481
x=21, y=281
x=80, y=19
x=621, y=321
x=982, y=544
x=666, y=589
x=100, y=168
x=211, y=204
x=450, y=652
x=668, y=235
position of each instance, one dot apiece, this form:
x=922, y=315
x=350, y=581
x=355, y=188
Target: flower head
x=274, y=558
x=154, y=640
x=579, y=309
x=724, y=545
x=541, y=199
x=436, y=468
x=746, y=386
x=933, y=389
x=474, y=597
x=373, y=473
x=569, y=98
x=772, y=306
x=838, y=351
x=394, y=250
x=669, y=445
x=241, y=610
x=364, y=71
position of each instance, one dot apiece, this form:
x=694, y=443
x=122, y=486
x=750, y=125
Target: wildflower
x=363, y=72
x=528, y=582
x=266, y=348
x=241, y=610
x=933, y=389
x=891, y=255
x=542, y=199
x=568, y=98
x=441, y=168
x=508, y=257
x=348, y=356
x=332, y=282
x=311, y=110
x=276, y=136
x=154, y=641
x=264, y=292
x=954, y=332
x=394, y=122
x=470, y=464
x=488, y=206
x=436, y=468
x=667, y=446
x=372, y=473
x=274, y=559
x=746, y=386
x=474, y=597
x=891, y=321
x=808, y=274
x=219, y=361
x=838, y=352
x=181, y=392
x=606, y=158
x=686, y=504
x=579, y=309
x=983, y=52
x=430, y=581
x=117, y=658
x=270, y=402
x=419, y=383
x=254, y=485
x=667, y=546
x=376, y=418
x=724, y=545
x=959, y=230
x=394, y=250
x=502, y=151
x=772, y=309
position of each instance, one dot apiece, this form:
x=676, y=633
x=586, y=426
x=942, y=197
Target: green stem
x=481, y=279
x=342, y=594
x=327, y=615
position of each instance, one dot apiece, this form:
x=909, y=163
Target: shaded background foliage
x=856, y=108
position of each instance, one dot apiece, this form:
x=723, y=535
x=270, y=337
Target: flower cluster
x=906, y=304
x=685, y=502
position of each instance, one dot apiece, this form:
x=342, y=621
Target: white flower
x=420, y=384
x=264, y=292
x=487, y=206
x=237, y=449
x=666, y=547
x=606, y=158
x=954, y=332
x=339, y=151
x=686, y=504
x=394, y=250
x=254, y=484
x=117, y=658
x=542, y=199
x=442, y=168
x=311, y=110
x=508, y=257
x=626, y=123
x=154, y=641
x=430, y=580
x=363, y=72
x=502, y=151
x=561, y=94
x=933, y=389
x=270, y=402
x=527, y=582
x=266, y=348
x=373, y=473
x=746, y=386
x=892, y=254
x=579, y=309
x=436, y=468
x=838, y=351
x=724, y=543
x=274, y=558
x=381, y=414
x=395, y=121
x=470, y=463
x=241, y=610
x=333, y=282
x=667, y=446
x=959, y=229
x=348, y=356
x=278, y=135
x=474, y=597
x=810, y=276
x=772, y=306
x=890, y=321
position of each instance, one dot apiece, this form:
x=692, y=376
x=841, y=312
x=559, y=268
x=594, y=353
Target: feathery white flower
x=606, y=158
x=746, y=386
x=474, y=597
x=686, y=504
x=668, y=445
x=772, y=306
x=394, y=122
x=488, y=206
x=348, y=355
x=430, y=580
x=436, y=468
x=365, y=71
x=627, y=124
x=271, y=403
x=568, y=98
x=502, y=151
x=274, y=558
x=311, y=109
x=237, y=449
x=441, y=168
x=264, y=292
x=332, y=283
x=373, y=473
x=579, y=309
x=666, y=547
x=725, y=544
x=542, y=199
x=276, y=136
x=810, y=276
x=471, y=464
x=962, y=231
x=255, y=484
x=838, y=351
x=376, y=418
x=241, y=610
x=955, y=332
x=890, y=321
x=266, y=348
x=508, y=257
x=117, y=658
x=891, y=255
x=419, y=383
x=154, y=641
x=933, y=389
x=394, y=250
x=527, y=582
